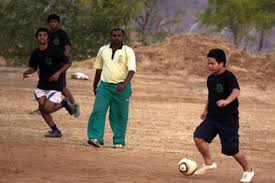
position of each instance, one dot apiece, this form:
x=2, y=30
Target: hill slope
x=186, y=55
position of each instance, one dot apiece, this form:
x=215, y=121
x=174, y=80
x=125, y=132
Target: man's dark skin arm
x=97, y=78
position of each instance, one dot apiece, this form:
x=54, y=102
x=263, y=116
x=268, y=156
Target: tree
x=264, y=18
x=240, y=16
x=234, y=15
x=152, y=24
x=88, y=24
x=19, y=24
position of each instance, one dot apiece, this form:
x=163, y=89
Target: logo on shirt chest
x=56, y=41
x=219, y=88
x=48, y=61
x=120, y=58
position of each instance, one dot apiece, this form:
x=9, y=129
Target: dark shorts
x=227, y=131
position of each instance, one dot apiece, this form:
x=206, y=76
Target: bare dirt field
x=164, y=112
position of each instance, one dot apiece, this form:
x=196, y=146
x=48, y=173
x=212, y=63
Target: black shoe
x=76, y=110
x=68, y=105
x=53, y=134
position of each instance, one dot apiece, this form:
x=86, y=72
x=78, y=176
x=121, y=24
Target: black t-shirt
x=59, y=39
x=220, y=87
x=49, y=61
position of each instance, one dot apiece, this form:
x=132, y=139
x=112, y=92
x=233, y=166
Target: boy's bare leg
x=203, y=148
x=46, y=107
x=67, y=93
x=248, y=173
x=240, y=158
x=48, y=119
x=56, y=107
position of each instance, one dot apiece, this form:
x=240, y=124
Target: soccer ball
x=187, y=166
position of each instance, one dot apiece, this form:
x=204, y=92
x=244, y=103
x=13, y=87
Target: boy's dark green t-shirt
x=48, y=61
x=220, y=87
x=59, y=39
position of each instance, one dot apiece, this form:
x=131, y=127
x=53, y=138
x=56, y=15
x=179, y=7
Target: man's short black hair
x=218, y=55
x=53, y=17
x=42, y=29
x=117, y=29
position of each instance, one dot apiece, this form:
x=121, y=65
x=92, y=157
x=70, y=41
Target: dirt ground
x=164, y=112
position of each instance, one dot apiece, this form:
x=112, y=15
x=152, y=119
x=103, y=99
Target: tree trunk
x=261, y=43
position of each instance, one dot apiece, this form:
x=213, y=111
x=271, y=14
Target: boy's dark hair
x=53, y=17
x=117, y=29
x=218, y=55
x=42, y=29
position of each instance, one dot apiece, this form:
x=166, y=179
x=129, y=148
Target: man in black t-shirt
x=52, y=65
x=221, y=116
x=60, y=40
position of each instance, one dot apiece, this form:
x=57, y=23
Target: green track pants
x=118, y=102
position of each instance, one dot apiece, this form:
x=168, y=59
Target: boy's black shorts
x=226, y=129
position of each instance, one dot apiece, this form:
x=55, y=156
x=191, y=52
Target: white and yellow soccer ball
x=187, y=166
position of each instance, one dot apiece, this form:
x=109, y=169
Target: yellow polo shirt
x=115, y=66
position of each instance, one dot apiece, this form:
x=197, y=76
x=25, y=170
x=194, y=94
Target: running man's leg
x=203, y=136
x=48, y=102
x=241, y=159
x=229, y=135
x=67, y=93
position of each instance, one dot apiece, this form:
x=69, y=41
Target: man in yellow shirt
x=115, y=66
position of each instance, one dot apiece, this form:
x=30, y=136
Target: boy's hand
x=222, y=103
x=25, y=75
x=54, y=77
x=203, y=115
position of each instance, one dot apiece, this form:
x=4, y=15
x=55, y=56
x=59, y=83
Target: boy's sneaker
x=76, y=110
x=119, y=146
x=247, y=176
x=94, y=142
x=53, y=134
x=68, y=105
x=204, y=168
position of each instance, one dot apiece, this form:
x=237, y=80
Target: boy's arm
x=234, y=94
x=60, y=71
x=30, y=70
x=67, y=50
x=204, y=113
x=67, y=44
x=65, y=65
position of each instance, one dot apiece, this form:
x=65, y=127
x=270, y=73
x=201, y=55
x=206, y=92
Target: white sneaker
x=247, y=176
x=94, y=142
x=119, y=146
x=204, y=168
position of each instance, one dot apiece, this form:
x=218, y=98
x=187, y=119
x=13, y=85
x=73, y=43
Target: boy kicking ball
x=221, y=116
